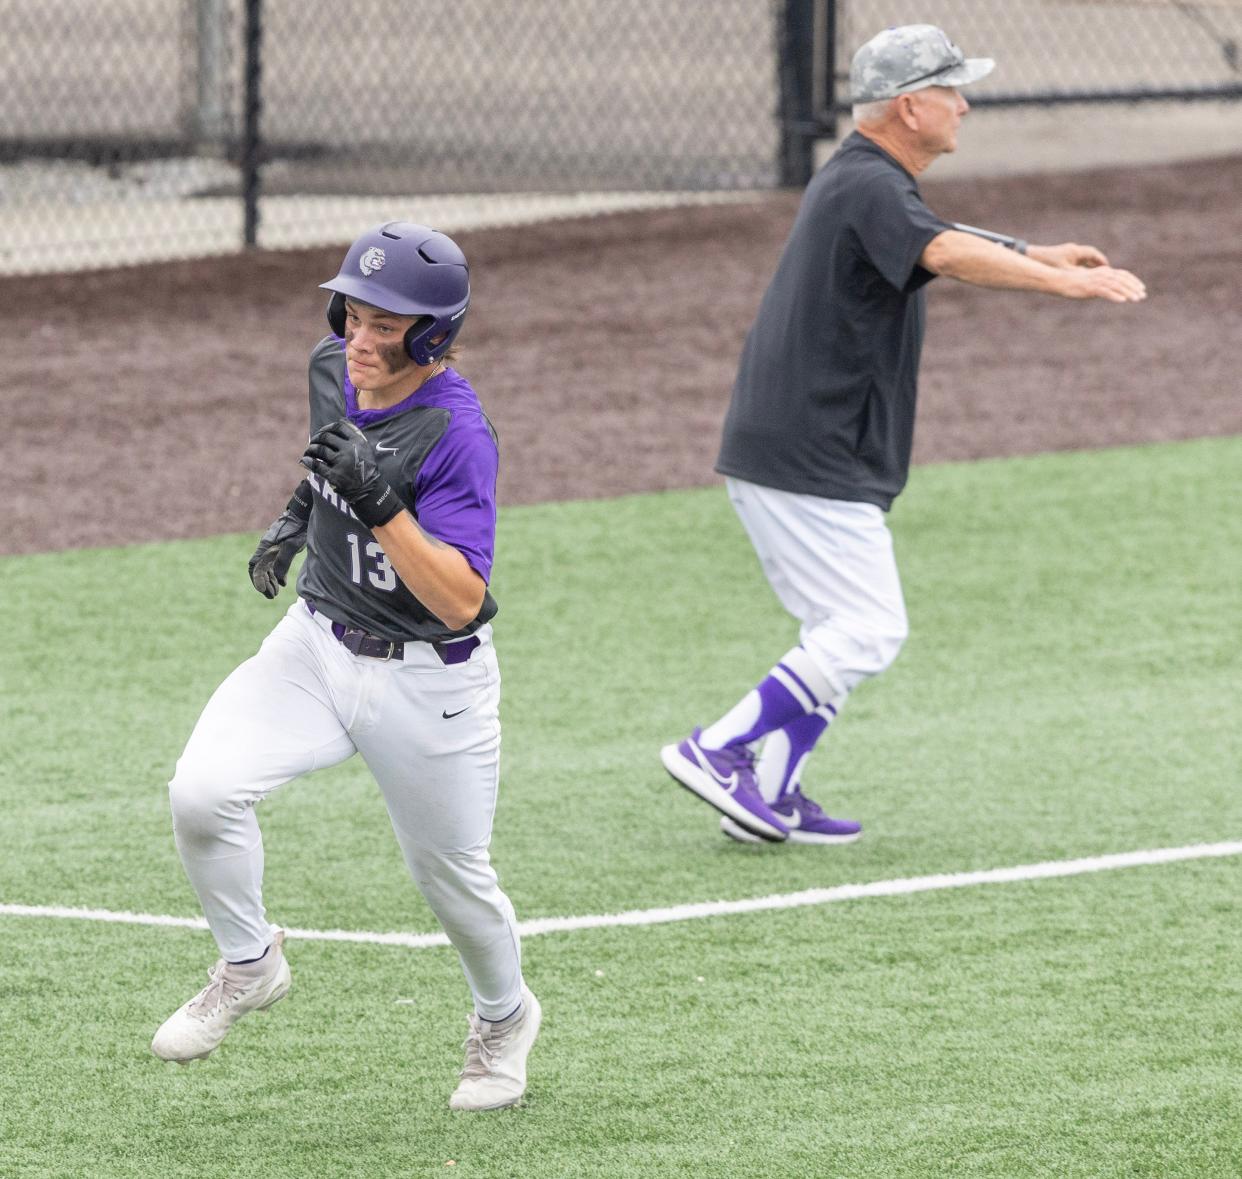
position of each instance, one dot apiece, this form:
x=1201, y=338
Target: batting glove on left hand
x=342, y=454
x=284, y=539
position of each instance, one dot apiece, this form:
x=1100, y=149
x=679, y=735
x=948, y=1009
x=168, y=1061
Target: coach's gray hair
x=872, y=112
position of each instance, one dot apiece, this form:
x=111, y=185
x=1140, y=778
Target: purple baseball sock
x=779, y=768
x=792, y=689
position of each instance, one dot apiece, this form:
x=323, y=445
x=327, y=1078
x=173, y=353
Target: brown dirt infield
x=169, y=401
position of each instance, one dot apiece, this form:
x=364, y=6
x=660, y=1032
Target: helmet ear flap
x=415, y=341
x=336, y=314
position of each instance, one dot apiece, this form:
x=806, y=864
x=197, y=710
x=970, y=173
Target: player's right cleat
x=494, y=1076
x=724, y=779
x=806, y=821
x=196, y=1028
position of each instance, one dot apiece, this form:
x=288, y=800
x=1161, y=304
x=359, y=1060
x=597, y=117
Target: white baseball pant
x=430, y=734
x=832, y=566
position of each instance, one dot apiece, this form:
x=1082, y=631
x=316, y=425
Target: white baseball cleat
x=196, y=1028
x=494, y=1075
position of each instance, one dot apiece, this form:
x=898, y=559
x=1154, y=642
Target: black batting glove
x=281, y=543
x=342, y=454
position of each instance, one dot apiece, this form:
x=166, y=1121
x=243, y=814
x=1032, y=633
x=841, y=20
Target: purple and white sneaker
x=805, y=819
x=725, y=779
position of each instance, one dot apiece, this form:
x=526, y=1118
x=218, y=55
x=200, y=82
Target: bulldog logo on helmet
x=371, y=261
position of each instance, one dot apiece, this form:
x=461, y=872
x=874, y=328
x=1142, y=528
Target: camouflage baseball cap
x=911, y=57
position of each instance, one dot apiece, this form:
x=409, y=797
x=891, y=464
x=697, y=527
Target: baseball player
x=818, y=434
x=386, y=651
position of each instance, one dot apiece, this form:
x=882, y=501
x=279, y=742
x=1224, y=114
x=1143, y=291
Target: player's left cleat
x=806, y=821
x=725, y=779
x=740, y=834
x=494, y=1075
x=196, y=1028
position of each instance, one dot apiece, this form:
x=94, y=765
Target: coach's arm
x=1069, y=270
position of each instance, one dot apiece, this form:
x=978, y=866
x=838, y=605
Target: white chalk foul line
x=697, y=911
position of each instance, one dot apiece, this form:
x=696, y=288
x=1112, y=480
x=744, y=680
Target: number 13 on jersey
x=379, y=570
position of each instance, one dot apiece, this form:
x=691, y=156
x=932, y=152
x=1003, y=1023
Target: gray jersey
x=439, y=452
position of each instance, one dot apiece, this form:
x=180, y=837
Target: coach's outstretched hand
x=342, y=454
x=1103, y=282
x=1067, y=255
x=281, y=543
x=1092, y=277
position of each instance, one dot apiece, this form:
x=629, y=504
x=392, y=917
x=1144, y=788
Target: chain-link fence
x=1047, y=52
x=125, y=133
x=142, y=129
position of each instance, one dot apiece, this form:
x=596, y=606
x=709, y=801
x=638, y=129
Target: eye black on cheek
x=394, y=356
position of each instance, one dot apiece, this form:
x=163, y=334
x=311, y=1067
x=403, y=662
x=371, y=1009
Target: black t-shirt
x=824, y=398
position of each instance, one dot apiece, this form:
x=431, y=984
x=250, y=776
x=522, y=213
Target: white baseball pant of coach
x=831, y=564
x=429, y=733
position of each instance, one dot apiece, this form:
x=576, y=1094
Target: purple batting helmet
x=409, y=270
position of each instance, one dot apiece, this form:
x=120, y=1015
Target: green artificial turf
x=1070, y=688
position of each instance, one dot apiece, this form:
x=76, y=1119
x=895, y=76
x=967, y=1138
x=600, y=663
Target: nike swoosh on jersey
x=450, y=715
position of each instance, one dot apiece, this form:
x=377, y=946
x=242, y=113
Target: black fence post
x=827, y=57
x=796, y=70
x=251, y=145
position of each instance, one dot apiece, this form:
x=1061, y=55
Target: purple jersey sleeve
x=455, y=490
